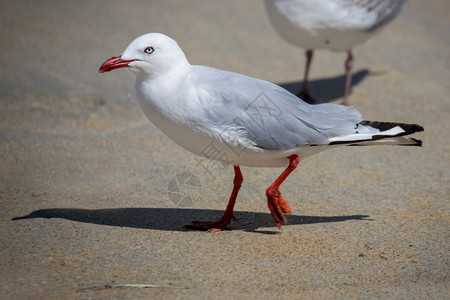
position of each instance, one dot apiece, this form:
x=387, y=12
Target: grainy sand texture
x=94, y=197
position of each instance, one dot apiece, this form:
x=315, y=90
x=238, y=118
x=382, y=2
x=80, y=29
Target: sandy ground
x=105, y=194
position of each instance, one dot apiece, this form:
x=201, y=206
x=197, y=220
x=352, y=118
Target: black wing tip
x=382, y=126
x=412, y=128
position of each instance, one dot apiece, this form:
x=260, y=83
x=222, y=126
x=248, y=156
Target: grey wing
x=271, y=117
x=382, y=10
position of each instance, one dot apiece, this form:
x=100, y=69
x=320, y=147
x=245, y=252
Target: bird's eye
x=149, y=50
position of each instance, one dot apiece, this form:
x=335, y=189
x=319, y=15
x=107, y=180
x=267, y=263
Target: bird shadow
x=328, y=89
x=173, y=219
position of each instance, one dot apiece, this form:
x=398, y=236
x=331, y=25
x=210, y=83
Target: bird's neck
x=160, y=89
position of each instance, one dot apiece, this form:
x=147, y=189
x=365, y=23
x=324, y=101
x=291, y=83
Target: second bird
x=336, y=25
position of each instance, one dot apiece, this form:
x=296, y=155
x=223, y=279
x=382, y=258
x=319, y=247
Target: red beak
x=113, y=63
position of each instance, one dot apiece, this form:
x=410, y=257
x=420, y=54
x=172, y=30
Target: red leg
x=222, y=223
x=348, y=76
x=304, y=92
x=277, y=205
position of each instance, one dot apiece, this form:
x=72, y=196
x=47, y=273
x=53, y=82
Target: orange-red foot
x=212, y=226
x=278, y=206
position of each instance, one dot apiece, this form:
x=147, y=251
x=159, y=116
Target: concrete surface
x=87, y=184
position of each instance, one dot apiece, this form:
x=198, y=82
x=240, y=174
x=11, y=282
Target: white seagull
x=336, y=25
x=240, y=120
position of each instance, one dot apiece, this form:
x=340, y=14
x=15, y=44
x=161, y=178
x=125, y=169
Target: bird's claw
x=278, y=207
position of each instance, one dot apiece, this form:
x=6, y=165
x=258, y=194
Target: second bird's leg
x=277, y=205
x=348, y=76
x=222, y=223
x=304, y=92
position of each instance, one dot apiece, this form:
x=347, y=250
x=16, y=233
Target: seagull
x=336, y=25
x=239, y=120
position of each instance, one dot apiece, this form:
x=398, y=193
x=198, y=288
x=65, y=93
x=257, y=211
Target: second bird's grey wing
x=379, y=12
x=268, y=115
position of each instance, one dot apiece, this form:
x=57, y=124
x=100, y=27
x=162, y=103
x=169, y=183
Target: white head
x=149, y=55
